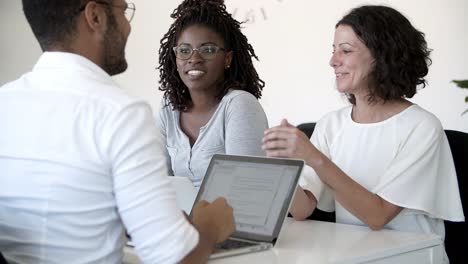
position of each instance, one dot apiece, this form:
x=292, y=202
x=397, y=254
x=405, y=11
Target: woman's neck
x=203, y=102
x=365, y=112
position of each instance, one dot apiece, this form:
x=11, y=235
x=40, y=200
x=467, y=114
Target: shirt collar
x=72, y=62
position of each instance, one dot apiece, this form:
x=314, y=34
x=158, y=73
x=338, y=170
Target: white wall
x=294, y=46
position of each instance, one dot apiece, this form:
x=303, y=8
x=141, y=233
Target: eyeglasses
x=129, y=8
x=207, y=52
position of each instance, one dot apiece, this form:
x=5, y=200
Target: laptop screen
x=259, y=190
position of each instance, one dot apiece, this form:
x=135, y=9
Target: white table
x=323, y=242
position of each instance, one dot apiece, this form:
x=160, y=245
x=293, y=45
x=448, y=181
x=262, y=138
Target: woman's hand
x=287, y=141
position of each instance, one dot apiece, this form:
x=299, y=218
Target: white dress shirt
x=79, y=160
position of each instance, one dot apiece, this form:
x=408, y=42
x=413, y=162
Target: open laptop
x=259, y=189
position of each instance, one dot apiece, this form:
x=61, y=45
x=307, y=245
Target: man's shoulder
x=112, y=94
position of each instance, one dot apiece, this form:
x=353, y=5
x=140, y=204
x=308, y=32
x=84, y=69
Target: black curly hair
x=212, y=14
x=400, y=51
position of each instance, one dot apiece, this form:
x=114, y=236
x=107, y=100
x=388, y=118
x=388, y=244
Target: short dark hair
x=52, y=21
x=400, y=51
x=212, y=14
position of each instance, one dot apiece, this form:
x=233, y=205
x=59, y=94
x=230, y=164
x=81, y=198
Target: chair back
x=308, y=129
x=2, y=259
x=456, y=233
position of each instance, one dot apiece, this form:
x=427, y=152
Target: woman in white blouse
x=383, y=161
x=210, y=89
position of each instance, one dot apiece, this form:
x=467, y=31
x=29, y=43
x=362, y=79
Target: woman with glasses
x=382, y=161
x=210, y=89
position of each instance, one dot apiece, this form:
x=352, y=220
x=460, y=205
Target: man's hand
x=215, y=223
x=216, y=218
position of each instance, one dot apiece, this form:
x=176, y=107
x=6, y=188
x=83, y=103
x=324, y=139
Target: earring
x=227, y=66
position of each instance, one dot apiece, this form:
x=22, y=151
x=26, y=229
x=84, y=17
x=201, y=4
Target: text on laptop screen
x=256, y=191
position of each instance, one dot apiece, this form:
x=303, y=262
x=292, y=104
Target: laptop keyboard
x=233, y=244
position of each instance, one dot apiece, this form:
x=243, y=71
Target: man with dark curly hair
x=383, y=161
x=81, y=161
x=210, y=89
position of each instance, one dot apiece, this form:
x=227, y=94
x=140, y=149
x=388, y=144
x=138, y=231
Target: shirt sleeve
x=422, y=175
x=309, y=180
x=145, y=199
x=161, y=124
x=245, y=123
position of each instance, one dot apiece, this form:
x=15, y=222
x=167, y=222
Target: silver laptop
x=259, y=189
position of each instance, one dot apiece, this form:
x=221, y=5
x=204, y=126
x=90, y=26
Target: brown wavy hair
x=400, y=51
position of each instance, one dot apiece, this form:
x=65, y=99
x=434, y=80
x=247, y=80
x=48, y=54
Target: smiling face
x=352, y=62
x=197, y=73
